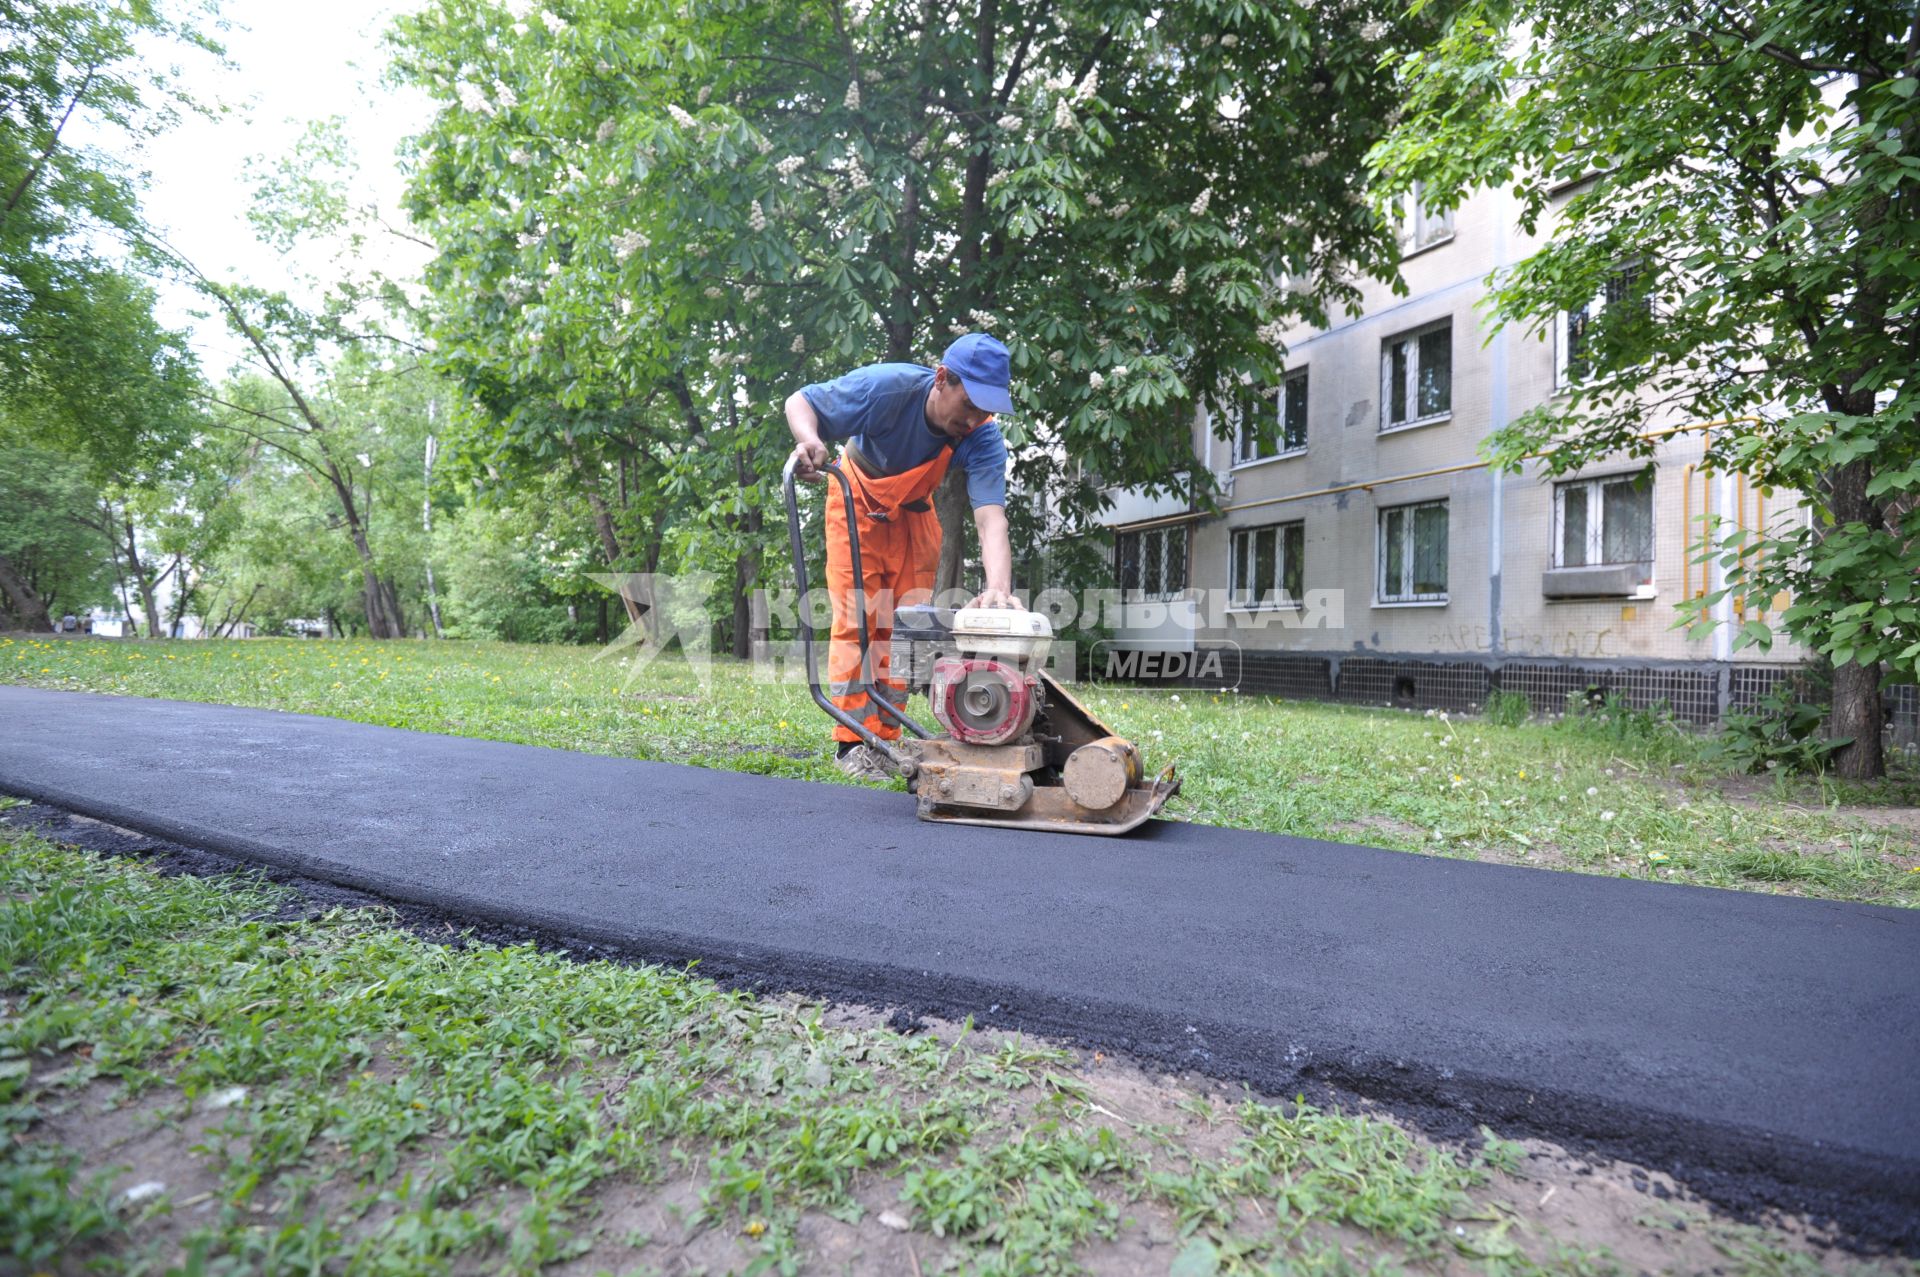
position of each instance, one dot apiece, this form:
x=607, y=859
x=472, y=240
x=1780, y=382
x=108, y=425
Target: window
x=1413, y=553
x=1416, y=377
x=1266, y=565
x=1421, y=226
x=1574, y=355
x=1151, y=565
x=1252, y=443
x=1603, y=522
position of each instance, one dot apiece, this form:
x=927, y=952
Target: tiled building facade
x=1450, y=580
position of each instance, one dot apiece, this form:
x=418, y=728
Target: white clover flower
x=505, y=96
x=1095, y=380
x=1199, y=206
x=1373, y=30
x=627, y=243
x=852, y=100
x=1062, y=115
x=757, y=217
x=1009, y=122
x=1606, y=815
x=1179, y=284
x=680, y=116
x=520, y=156
x=799, y=346
x=473, y=98
x=789, y=166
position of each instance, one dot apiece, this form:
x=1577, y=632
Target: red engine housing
x=982, y=702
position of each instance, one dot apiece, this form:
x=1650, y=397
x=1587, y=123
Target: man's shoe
x=863, y=762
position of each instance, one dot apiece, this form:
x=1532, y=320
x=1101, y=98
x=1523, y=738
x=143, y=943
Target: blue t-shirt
x=883, y=409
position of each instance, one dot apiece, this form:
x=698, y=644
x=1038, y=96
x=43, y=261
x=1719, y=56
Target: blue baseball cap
x=980, y=362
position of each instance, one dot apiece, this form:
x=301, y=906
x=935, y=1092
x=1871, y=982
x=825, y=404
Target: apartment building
x=1364, y=552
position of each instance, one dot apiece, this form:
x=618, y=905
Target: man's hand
x=997, y=598
x=808, y=456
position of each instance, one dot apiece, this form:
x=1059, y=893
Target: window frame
x=1381, y=598
x=1160, y=538
x=1287, y=449
x=1277, y=598
x=1411, y=338
x=1596, y=486
x=1414, y=214
x=1623, y=275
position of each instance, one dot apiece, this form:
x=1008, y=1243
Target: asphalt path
x=1761, y=1048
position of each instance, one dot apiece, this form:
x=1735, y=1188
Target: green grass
x=406, y=1107
x=1624, y=794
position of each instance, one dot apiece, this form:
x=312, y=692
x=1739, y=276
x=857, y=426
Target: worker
x=902, y=425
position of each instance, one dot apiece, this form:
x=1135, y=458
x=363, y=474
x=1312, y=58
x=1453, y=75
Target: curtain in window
x=1436, y=372
x=1573, y=526
x=1292, y=542
x=1393, y=558
x=1430, y=550
x=1626, y=531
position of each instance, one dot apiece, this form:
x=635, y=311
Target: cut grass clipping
x=359, y=1099
x=1624, y=793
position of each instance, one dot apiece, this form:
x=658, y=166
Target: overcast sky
x=292, y=63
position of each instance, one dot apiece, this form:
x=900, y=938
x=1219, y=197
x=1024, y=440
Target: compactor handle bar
x=820, y=698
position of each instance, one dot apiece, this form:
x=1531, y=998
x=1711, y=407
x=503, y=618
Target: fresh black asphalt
x=1761, y=1048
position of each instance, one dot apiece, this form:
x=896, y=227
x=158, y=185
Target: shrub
x=1508, y=709
x=1781, y=733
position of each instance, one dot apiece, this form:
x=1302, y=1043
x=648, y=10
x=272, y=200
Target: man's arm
x=996, y=556
x=804, y=423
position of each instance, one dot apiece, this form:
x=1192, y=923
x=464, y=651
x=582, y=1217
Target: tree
x=50, y=556
x=1748, y=196
x=84, y=367
x=686, y=210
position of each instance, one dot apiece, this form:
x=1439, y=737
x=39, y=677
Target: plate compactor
x=1017, y=750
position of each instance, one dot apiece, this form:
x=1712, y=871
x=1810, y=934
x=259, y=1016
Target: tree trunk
x=27, y=606
x=1857, y=711
x=602, y=521
x=143, y=576
x=950, y=503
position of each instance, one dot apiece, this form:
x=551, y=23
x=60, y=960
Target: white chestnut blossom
x=789, y=166
x=1089, y=85
x=1228, y=40
x=852, y=100
x=1062, y=115
x=714, y=292
x=1096, y=381
x=608, y=127
x=519, y=8
x=504, y=96
x=474, y=98
x=680, y=116
x=1179, y=284
x=1057, y=358
x=526, y=239
x=1119, y=372
x=1009, y=122
x=1313, y=159
x=553, y=22
x=1122, y=209
x=706, y=92
x=627, y=243
x=1373, y=29
x=757, y=217
x=799, y=346
x=1199, y=206
x=520, y=156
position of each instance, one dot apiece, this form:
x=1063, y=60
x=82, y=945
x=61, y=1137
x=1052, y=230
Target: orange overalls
x=899, y=556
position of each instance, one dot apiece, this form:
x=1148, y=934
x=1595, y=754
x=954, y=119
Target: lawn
x=212, y=1075
x=1621, y=794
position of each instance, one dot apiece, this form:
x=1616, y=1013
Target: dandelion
x=1199, y=206
x=680, y=116
x=1593, y=791
x=799, y=346
x=1523, y=773
x=1179, y=284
